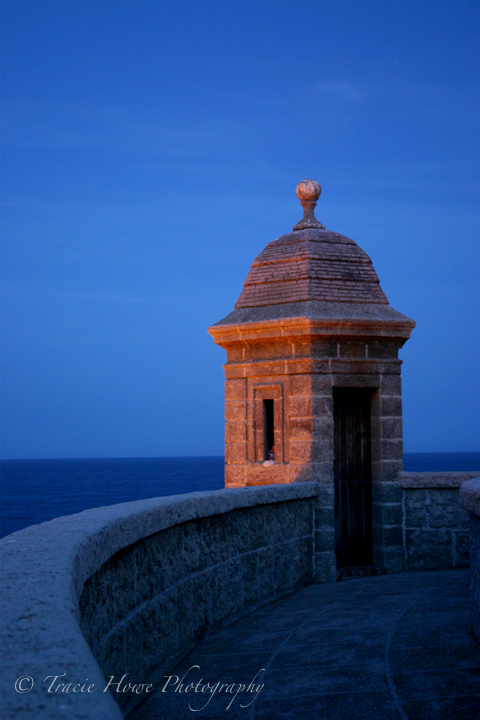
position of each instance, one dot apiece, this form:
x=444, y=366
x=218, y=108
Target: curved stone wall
x=129, y=588
x=470, y=501
x=140, y=581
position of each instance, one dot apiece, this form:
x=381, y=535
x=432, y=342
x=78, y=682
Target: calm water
x=37, y=490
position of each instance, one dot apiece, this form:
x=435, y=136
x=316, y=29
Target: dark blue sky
x=150, y=152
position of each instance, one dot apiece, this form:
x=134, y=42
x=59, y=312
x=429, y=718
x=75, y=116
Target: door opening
x=353, y=476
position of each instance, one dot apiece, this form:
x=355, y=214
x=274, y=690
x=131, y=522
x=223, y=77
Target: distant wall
x=435, y=526
x=470, y=501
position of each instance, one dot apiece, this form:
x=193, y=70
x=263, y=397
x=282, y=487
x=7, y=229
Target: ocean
x=33, y=491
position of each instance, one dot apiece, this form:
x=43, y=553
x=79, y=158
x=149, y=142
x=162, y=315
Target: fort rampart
x=130, y=588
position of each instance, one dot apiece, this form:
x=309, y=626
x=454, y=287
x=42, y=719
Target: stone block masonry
x=435, y=527
x=159, y=595
x=470, y=501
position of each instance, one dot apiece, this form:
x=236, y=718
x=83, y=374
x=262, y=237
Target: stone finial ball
x=308, y=190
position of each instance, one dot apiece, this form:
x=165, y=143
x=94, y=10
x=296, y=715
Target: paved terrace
x=394, y=647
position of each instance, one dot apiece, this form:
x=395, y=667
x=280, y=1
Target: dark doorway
x=353, y=477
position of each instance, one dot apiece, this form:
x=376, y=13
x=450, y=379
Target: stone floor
x=389, y=647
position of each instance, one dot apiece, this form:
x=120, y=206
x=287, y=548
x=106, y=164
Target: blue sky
x=152, y=149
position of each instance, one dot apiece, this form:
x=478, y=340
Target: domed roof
x=311, y=282
x=311, y=263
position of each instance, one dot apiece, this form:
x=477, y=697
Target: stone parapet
x=470, y=502
x=435, y=527
x=127, y=588
x=445, y=479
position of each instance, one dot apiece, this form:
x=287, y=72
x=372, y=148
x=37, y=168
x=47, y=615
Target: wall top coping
x=419, y=480
x=43, y=571
x=470, y=496
x=315, y=310
x=312, y=317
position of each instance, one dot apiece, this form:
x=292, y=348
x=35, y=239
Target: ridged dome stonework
x=311, y=264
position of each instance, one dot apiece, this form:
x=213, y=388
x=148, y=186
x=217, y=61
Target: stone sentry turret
x=312, y=389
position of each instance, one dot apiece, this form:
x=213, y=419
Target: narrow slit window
x=268, y=431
